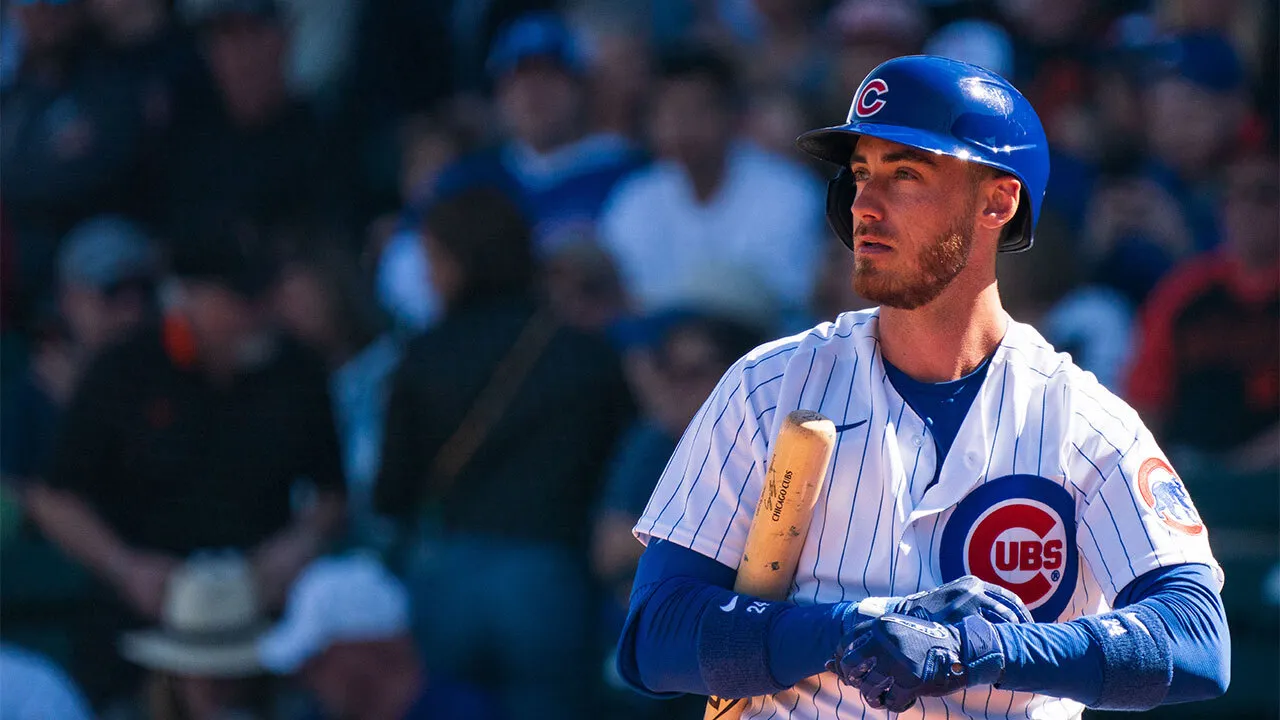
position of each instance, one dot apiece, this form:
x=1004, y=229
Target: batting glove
x=961, y=598
x=895, y=659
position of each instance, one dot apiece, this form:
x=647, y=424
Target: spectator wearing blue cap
x=564, y=172
x=106, y=274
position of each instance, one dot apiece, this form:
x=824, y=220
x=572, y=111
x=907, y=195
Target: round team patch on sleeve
x=1163, y=492
x=1019, y=532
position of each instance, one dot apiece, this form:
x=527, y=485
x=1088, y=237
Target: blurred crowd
x=343, y=341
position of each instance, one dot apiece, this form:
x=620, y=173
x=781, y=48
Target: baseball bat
x=792, y=482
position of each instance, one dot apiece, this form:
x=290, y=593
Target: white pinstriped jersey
x=1052, y=488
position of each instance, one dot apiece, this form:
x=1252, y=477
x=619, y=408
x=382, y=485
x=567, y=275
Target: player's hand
x=963, y=597
x=895, y=659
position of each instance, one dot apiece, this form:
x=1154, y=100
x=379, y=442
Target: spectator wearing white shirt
x=711, y=198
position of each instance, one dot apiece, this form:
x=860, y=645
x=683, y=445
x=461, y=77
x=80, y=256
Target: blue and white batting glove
x=948, y=604
x=962, y=598
x=895, y=659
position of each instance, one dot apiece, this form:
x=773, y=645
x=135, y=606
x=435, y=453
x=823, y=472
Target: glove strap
x=874, y=607
x=981, y=651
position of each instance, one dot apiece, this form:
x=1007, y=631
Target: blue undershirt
x=942, y=406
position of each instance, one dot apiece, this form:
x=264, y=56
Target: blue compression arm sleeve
x=1107, y=661
x=680, y=638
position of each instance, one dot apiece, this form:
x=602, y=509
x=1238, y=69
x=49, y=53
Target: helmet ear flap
x=840, y=194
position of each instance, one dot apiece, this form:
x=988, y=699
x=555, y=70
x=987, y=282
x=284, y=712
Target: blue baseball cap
x=105, y=251
x=535, y=35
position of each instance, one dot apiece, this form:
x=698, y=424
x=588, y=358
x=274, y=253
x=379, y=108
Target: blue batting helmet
x=947, y=107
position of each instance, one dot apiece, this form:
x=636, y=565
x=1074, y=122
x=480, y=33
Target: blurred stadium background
x=259, y=257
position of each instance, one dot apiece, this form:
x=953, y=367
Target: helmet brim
x=835, y=145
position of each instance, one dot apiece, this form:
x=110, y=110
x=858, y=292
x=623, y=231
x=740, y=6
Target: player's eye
x=905, y=174
x=861, y=175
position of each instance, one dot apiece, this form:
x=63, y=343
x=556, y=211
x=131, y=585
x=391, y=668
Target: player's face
x=913, y=222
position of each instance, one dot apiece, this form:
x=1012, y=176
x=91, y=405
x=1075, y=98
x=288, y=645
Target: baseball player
x=999, y=536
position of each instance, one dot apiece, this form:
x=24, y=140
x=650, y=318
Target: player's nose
x=868, y=204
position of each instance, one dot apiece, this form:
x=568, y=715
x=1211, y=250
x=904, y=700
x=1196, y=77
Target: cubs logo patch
x=870, y=98
x=1163, y=492
x=1018, y=532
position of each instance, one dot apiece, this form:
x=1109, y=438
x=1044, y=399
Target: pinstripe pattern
x=879, y=526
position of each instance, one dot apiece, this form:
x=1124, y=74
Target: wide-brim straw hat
x=211, y=623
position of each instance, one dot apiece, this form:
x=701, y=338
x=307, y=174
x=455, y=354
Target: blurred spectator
x=429, y=145
x=70, y=142
x=202, y=659
x=1049, y=24
x=10, y=46
x=620, y=72
x=498, y=427
x=672, y=374
x=712, y=198
x=789, y=52
x=256, y=154
x=324, y=302
x=563, y=171
x=1054, y=46
x=345, y=634
x=159, y=57
x=774, y=118
x=1094, y=323
x=107, y=273
x=1134, y=233
x=35, y=688
x=412, y=58
x=557, y=171
x=582, y=286
x=673, y=367
x=1207, y=372
x=192, y=435
x=323, y=34
x=1214, y=15
x=865, y=34
x=978, y=42
x=1194, y=109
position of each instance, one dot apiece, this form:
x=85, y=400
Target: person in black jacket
x=192, y=435
x=499, y=425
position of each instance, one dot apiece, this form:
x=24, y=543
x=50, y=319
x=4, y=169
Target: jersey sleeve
x=1138, y=515
x=707, y=494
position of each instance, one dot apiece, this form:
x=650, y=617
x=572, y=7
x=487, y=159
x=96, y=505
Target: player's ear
x=999, y=199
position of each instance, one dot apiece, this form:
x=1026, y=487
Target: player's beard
x=940, y=262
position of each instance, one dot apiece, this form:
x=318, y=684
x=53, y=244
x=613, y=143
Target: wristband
x=1139, y=664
